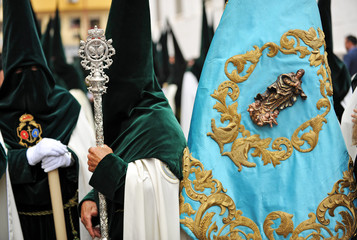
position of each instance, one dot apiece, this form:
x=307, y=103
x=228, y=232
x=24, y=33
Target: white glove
x=46, y=147
x=53, y=162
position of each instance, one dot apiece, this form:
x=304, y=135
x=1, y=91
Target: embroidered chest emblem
x=29, y=131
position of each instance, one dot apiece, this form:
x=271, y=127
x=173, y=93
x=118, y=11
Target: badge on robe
x=29, y=131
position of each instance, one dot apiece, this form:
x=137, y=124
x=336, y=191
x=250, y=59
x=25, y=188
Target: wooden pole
x=57, y=205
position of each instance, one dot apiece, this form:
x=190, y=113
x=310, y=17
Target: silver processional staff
x=96, y=52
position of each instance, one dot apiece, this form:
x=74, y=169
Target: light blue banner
x=268, y=182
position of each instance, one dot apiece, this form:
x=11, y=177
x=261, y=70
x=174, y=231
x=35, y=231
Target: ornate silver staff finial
x=96, y=52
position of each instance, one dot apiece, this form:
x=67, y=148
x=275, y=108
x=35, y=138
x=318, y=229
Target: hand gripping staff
x=96, y=52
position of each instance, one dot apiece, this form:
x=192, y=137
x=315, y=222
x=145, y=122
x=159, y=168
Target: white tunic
x=151, y=204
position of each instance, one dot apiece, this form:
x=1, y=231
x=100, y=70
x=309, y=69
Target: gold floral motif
x=235, y=225
x=290, y=43
x=202, y=224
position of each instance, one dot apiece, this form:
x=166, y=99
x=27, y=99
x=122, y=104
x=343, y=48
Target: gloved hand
x=46, y=147
x=53, y=162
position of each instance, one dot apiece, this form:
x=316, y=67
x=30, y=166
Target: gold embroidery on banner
x=242, y=145
x=236, y=226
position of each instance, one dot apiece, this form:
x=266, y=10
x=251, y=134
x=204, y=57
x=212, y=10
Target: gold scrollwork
x=235, y=225
x=290, y=43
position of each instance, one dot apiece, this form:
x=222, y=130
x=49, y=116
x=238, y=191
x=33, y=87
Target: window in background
x=75, y=22
x=94, y=22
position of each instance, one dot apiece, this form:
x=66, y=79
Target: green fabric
x=138, y=122
x=80, y=71
x=31, y=192
x=52, y=107
x=206, y=32
x=42, y=228
x=21, y=46
x=3, y=161
x=61, y=68
x=156, y=59
x=211, y=31
x=341, y=79
x=31, y=92
x=109, y=178
x=179, y=70
x=47, y=43
x=206, y=38
x=162, y=59
x=38, y=27
x=30, y=183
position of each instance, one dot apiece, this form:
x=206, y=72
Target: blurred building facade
x=77, y=16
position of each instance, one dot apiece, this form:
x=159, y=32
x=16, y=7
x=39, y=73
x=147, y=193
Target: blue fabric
x=350, y=60
x=298, y=184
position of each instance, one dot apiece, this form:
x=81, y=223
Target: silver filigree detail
x=96, y=52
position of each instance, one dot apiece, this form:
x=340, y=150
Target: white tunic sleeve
x=151, y=204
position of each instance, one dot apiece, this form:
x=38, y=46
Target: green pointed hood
x=58, y=50
x=63, y=71
x=22, y=48
x=38, y=27
x=211, y=30
x=155, y=55
x=179, y=69
x=138, y=121
x=206, y=38
x=163, y=59
x=46, y=42
x=28, y=85
x=341, y=79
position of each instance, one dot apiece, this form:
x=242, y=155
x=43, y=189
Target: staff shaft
x=98, y=123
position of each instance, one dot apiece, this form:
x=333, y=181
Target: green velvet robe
x=32, y=196
x=105, y=180
x=138, y=121
x=29, y=88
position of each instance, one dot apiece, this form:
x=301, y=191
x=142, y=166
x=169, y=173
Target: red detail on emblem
x=24, y=134
x=27, y=117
